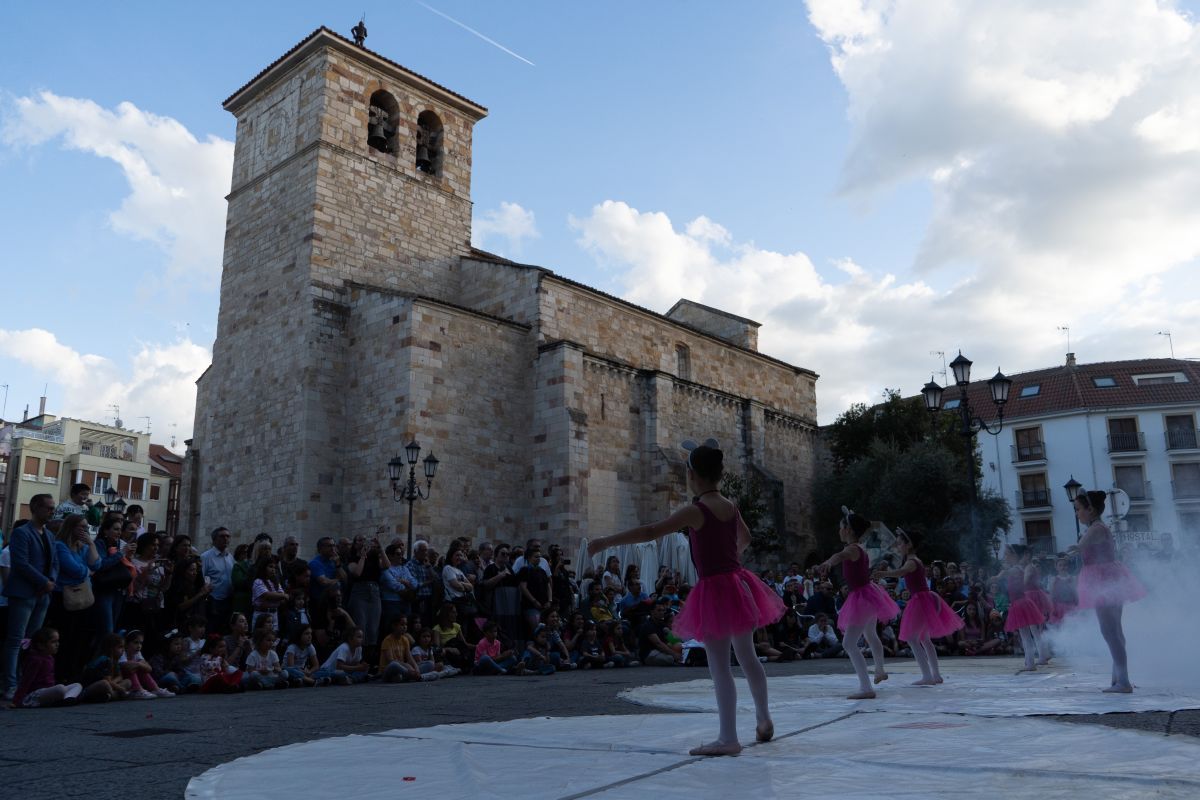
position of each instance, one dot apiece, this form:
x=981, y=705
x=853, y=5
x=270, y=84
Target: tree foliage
x=905, y=467
x=753, y=502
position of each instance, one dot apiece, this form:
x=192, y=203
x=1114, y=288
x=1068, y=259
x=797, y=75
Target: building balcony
x=1037, y=499
x=1032, y=453
x=1138, y=492
x=41, y=436
x=1185, y=490
x=1185, y=439
x=1128, y=443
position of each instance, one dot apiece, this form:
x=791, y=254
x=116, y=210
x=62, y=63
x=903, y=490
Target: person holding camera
x=367, y=565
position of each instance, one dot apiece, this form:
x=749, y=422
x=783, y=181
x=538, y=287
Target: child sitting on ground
x=396, y=662
x=536, y=657
x=216, y=676
x=426, y=656
x=490, y=658
x=169, y=667
x=590, y=652
x=345, y=664
x=262, y=665
x=37, y=687
x=300, y=660
x=134, y=667
x=617, y=650
x=103, y=674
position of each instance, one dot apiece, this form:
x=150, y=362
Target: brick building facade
x=355, y=316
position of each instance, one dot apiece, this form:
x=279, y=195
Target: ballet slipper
x=1043, y=662
x=880, y=677
x=765, y=731
x=716, y=749
x=1119, y=689
x=938, y=679
x=924, y=682
x=867, y=695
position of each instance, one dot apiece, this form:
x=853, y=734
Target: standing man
x=289, y=556
x=30, y=583
x=424, y=576
x=326, y=568
x=217, y=562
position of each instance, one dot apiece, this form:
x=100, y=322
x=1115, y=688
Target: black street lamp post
x=409, y=491
x=1073, y=486
x=970, y=424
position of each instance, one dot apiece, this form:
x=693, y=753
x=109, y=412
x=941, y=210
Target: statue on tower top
x=359, y=32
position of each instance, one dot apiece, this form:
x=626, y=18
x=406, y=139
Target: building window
x=1181, y=432
x=1029, y=446
x=683, y=362
x=102, y=482
x=383, y=122
x=1150, y=380
x=1032, y=390
x=1131, y=480
x=155, y=491
x=1137, y=522
x=1123, y=435
x=1034, y=492
x=429, y=143
x=1185, y=480
x=51, y=469
x=33, y=468
x=1039, y=535
x=1104, y=382
x=950, y=405
x=1189, y=523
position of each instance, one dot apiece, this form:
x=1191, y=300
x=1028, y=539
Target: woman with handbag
x=72, y=601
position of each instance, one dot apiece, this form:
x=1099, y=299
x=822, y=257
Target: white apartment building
x=1119, y=424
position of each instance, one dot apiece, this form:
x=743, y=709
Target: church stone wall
x=642, y=340
x=788, y=453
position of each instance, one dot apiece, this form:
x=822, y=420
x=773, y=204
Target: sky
x=875, y=181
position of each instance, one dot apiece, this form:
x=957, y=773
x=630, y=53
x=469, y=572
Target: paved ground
x=150, y=749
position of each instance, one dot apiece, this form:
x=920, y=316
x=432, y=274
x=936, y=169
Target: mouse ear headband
x=690, y=445
x=846, y=512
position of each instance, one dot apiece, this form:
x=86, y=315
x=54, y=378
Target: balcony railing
x=29, y=433
x=1182, y=439
x=1038, y=498
x=1126, y=442
x=1185, y=490
x=1138, y=492
x=1032, y=451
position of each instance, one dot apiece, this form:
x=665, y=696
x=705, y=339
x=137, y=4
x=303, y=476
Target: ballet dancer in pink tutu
x=1033, y=585
x=866, y=604
x=1063, y=599
x=1024, y=615
x=1105, y=584
x=926, y=616
x=728, y=602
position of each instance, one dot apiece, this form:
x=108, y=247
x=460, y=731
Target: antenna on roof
x=1067, y=330
x=941, y=353
x=1170, y=341
x=117, y=421
x=147, y=423
x=172, y=426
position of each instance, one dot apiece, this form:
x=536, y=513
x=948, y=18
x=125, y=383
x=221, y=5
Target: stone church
x=355, y=316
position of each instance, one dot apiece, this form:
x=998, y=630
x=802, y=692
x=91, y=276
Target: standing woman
x=728, y=603
x=865, y=604
x=926, y=615
x=77, y=557
x=111, y=578
x=1105, y=584
x=366, y=567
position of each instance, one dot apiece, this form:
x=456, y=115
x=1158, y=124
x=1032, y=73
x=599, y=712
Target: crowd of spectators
x=100, y=609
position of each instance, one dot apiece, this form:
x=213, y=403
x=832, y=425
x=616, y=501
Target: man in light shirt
x=823, y=639
x=217, y=563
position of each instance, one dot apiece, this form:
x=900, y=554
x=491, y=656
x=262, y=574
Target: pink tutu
x=1041, y=599
x=1108, y=584
x=722, y=606
x=928, y=615
x=1023, y=613
x=867, y=603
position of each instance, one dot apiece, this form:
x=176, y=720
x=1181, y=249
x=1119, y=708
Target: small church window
x=429, y=143
x=383, y=122
x=683, y=361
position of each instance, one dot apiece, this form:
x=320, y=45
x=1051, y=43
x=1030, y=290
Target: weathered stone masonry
x=355, y=316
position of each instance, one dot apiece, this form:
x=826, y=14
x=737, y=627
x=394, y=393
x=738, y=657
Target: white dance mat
x=968, y=737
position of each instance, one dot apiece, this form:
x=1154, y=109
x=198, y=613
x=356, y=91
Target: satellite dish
x=1118, y=504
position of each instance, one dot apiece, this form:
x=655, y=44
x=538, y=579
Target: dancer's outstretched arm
x=908, y=566
x=686, y=517
x=849, y=553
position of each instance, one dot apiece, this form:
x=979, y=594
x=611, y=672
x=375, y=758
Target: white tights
x=927, y=660
x=1031, y=640
x=853, y=634
x=717, y=651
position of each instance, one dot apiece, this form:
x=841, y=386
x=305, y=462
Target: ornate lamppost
x=1073, y=486
x=970, y=424
x=113, y=500
x=408, y=491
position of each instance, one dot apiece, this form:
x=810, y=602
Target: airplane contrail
x=468, y=28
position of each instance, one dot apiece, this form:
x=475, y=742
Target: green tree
x=752, y=498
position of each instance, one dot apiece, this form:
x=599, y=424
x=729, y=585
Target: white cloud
x=160, y=383
x=177, y=183
x=510, y=222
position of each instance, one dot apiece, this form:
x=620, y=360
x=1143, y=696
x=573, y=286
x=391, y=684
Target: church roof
x=483, y=255
x=323, y=36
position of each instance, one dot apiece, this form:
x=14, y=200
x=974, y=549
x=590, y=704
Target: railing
x=1126, y=442
x=1038, y=498
x=1185, y=490
x=29, y=433
x=1137, y=491
x=1182, y=439
x=1034, y=451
